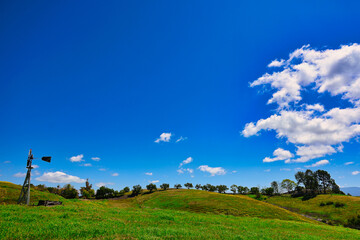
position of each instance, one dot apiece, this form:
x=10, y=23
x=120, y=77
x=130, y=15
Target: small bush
x=322, y=204
x=308, y=196
x=338, y=204
x=353, y=222
x=329, y=203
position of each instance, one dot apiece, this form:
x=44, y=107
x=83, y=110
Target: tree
x=87, y=191
x=268, y=191
x=324, y=179
x=136, y=190
x=222, y=188
x=41, y=187
x=126, y=189
x=288, y=185
x=188, y=185
x=210, y=188
x=165, y=186
x=177, y=186
x=69, y=192
x=104, y=192
x=198, y=186
x=151, y=187
x=254, y=190
x=243, y=190
x=233, y=188
x=275, y=186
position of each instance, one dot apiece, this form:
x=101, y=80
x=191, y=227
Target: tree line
x=308, y=184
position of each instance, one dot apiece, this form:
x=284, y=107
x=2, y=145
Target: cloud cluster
x=313, y=130
x=164, y=137
x=186, y=161
x=212, y=170
x=59, y=177
x=182, y=170
x=78, y=158
x=336, y=71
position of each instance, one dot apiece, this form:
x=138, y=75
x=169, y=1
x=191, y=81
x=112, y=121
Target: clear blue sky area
x=106, y=79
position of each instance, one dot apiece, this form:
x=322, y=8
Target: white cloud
x=212, y=170
x=183, y=170
x=336, y=71
x=102, y=169
x=103, y=184
x=234, y=171
x=164, y=137
x=186, y=161
x=95, y=159
x=19, y=175
x=181, y=139
x=37, y=173
x=307, y=153
x=355, y=172
x=316, y=107
x=59, y=177
x=309, y=127
x=348, y=163
x=155, y=181
x=87, y=165
x=149, y=173
x=280, y=154
x=277, y=63
x=35, y=166
x=7, y=162
x=267, y=170
x=180, y=171
x=115, y=174
x=319, y=163
x=78, y=158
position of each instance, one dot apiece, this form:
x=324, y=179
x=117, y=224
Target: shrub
x=322, y=204
x=308, y=196
x=104, y=192
x=338, y=204
x=353, y=222
x=126, y=189
x=329, y=203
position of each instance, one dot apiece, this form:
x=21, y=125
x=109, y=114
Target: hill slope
x=209, y=202
x=329, y=212
x=149, y=217
x=9, y=194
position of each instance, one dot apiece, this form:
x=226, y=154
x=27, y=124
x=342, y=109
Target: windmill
x=25, y=191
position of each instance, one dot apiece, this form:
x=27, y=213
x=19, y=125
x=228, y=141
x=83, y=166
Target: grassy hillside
x=329, y=212
x=9, y=194
x=188, y=215
x=210, y=202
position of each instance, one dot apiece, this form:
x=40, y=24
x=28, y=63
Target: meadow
x=171, y=214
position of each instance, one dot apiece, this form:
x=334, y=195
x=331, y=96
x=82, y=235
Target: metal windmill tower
x=25, y=191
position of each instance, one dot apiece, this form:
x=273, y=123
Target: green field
x=172, y=214
x=328, y=212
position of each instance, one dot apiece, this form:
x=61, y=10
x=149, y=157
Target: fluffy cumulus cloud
x=149, y=173
x=355, y=172
x=155, y=181
x=164, y=137
x=78, y=158
x=319, y=163
x=87, y=165
x=280, y=154
x=315, y=131
x=95, y=159
x=212, y=170
x=59, y=177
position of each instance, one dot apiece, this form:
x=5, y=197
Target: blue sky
x=105, y=80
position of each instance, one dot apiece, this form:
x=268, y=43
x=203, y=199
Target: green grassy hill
x=174, y=214
x=215, y=203
x=9, y=194
x=329, y=212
